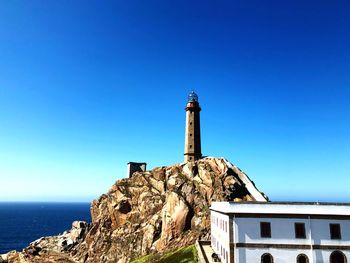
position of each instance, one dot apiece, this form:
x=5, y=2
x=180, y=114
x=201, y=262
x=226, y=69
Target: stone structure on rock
x=151, y=212
x=193, y=150
x=136, y=167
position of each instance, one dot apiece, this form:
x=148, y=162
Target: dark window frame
x=263, y=257
x=340, y=253
x=299, y=229
x=304, y=256
x=335, y=231
x=265, y=229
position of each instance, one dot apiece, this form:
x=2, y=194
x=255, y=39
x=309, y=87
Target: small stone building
x=136, y=167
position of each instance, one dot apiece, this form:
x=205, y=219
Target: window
x=302, y=259
x=265, y=229
x=266, y=258
x=190, y=134
x=335, y=231
x=299, y=230
x=337, y=257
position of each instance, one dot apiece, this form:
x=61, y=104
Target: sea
x=22, y=223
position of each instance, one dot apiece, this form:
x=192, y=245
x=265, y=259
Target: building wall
x=323, y=256
x=321, y=234
x=253, y=255
x=247, y=231
x=220, y=235
x=237, y=239
x=284, y=255
x=282, y=231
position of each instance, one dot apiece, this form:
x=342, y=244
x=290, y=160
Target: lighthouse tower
x=192, y=134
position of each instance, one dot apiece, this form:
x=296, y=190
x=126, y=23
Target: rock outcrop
x=150, y=212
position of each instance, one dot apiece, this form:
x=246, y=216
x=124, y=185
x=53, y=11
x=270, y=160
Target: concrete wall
x=323, y=256
x=243, y=243
x=251, y=255
x=321, y=233
x=282, y=232
x=220, y=235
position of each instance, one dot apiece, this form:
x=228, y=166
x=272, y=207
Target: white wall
x=282, y=231
x=249, y=255
x=247, y=230
x=221, y=236
x=322, y=256
x=246, y=255
x=321, y=234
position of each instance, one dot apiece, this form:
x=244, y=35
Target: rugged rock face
x=152, y=211
x=51, y=249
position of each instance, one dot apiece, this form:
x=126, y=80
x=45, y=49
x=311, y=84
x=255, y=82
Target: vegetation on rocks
x=181, y=255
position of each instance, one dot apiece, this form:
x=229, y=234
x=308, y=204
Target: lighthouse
x=192, y=132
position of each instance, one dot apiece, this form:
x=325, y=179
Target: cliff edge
x=153, y=211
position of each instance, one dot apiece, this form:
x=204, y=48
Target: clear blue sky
x=87, y=86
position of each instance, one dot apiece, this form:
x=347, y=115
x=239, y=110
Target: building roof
x=285, y=208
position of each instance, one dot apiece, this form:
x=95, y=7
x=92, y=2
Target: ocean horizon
x=23, y=222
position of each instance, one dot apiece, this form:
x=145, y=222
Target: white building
x=267, y=232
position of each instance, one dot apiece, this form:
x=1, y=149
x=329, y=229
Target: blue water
x=22, y=223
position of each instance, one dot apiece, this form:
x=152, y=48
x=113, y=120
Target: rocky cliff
x=152, y=211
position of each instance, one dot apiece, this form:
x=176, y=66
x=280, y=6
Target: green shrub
x=182, y=255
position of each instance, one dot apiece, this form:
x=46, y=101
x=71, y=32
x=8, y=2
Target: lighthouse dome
x=192, y=97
